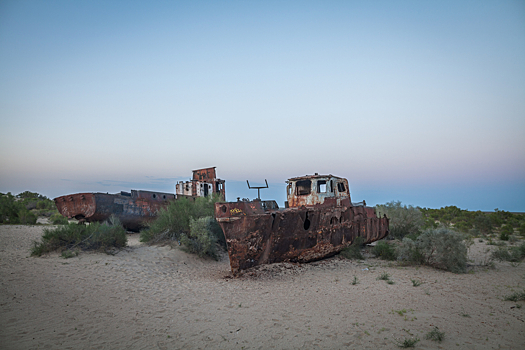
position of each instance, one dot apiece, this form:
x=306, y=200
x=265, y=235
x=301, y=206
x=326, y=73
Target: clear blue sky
x=418, y=101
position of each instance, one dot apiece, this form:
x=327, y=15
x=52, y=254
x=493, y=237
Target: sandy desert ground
x=156, y=297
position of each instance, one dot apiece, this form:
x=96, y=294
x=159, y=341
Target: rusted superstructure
x=319, y=220
x=203, y=183
x=136, y=208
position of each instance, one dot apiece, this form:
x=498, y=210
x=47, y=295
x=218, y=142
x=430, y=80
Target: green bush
x=25, y=217
x=203, y=237
x=58, y=219
x=516, y=296
x=9, y=209
x=23, y=208
x=384, y=251
x=512, y=254
x=506, y=232
x=440, y=248
x=409, y=251
x=403, y=220
x=95, y=236
x=354, y=250
x=521, y=229
x=174, y=220
x=483, y=223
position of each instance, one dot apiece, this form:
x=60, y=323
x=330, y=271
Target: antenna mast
x=258, y=188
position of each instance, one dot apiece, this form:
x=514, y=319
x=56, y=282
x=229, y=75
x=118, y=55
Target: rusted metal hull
x=134, y=209
x=258, y=233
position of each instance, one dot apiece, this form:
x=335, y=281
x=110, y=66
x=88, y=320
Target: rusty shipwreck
x=136, y=208
x=318, y=221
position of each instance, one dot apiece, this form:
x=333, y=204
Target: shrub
x=512, y=254
x=95, y=236
x=408, y=251
x=403, y=220
x=25, y=217
x=384, y=251
x=203, y=237
x=354, y=251
x=440, y=248
x=58, y=219
x=505, y=233
x=23, y=208
x=9, y=209
x=174, y=221
x=521, y=229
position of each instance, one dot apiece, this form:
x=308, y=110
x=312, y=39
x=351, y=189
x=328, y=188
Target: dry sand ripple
x=162, y=298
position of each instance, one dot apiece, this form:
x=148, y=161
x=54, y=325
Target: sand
x=157, y=297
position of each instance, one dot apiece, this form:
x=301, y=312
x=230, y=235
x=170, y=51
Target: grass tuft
x=407, y=342
x=70, y=237
x=416, y=283
x=383, y=277
x=516, y=296
x=435, y=335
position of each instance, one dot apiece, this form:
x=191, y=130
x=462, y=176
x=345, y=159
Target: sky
x=421, y=102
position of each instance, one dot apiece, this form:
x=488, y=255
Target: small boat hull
x=134, y=209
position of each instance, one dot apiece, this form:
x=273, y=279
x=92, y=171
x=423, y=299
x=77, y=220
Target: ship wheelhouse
x=315, y=190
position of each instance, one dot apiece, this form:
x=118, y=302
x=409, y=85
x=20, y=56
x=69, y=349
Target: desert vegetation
x=191, y=224
x=25, y=208
x=72, y=238
x=440, y=238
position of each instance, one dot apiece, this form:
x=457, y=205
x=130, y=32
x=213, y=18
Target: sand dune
x=162, y=298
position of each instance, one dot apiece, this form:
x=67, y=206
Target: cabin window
x=332, y=186
x=154, y=196
x=163, y=196
x=303, y=187
x=289, y=189
x=321, y=186
x=341, y=187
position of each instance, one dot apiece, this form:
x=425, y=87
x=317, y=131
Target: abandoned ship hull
x=133, y=210
x=256, y=235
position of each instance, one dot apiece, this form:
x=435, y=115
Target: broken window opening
x=154, y=196
x=303, y=187
x=341, y=187
x=332, y=186
x=321, y=186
